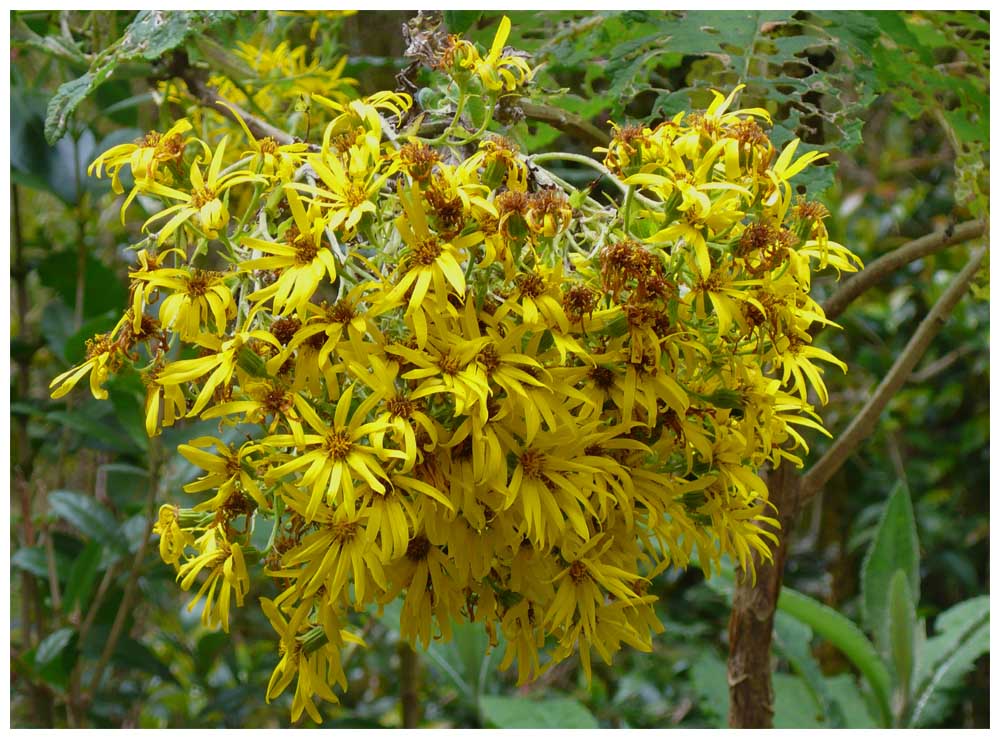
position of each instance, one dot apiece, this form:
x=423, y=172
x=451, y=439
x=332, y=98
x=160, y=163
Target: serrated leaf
x=150, y=36
x=62, y=105
x=523, y=713
x=895, y=548
x=962, y=637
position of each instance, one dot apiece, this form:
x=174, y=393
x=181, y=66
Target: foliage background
x=899, y=100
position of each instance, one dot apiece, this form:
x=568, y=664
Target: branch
x=566, y=122
x=210, y=97
x=125, y=608
x=863, y=424
x=940, y=364
x=885, y=265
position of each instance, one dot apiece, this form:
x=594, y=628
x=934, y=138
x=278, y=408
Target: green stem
x=627, y=210
x=595, y=165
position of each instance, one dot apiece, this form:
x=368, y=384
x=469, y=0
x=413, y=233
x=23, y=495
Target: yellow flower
x=228, y=472
x=173, y=539
x=144, y=158
x=170, y=397
x=499, y=71
x=227, y=576
x=221, y=363
x=197, y=298
x=301, y=262
x=274, y=160
x=585, y=584
x=337, y=555
x=104, y=356
x=333, y=455
x=429, y=265
x=203, y=203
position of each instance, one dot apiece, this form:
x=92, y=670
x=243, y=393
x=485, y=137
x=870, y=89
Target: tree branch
x=885, y=265
x=566, y=122
x=863, y=424
x=210, y=97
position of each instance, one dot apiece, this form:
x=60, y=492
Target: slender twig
x=885, y=265
x=50, y=561
x=131, y=585
x=864, y=422
x=940, y=364
x=597, y=166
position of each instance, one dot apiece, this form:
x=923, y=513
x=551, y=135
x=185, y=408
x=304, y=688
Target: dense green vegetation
x=900, y=103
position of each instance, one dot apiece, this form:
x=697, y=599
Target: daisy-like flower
x=349, y=186
x=334, y=455
x=198, y=298
x=228, y=471
x=144, y=158
x=428, y=266
x=227, y=576
x=204, y=202
x=499, y=71
x=301, y=262
x=104, y=357
x=271, y=159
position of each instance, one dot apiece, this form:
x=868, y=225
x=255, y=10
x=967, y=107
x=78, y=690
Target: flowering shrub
x=443, y=374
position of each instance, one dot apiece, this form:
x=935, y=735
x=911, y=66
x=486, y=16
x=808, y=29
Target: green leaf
x=86, y=515
x=149, y=37
x=844, y=690
x=136, y=655
x=56, y=656
x=795, y=705
x=845, y=636
x=97, y=432
x=459, y=21
x=82, y=576
x=103, y=291
x=53, y=645
x=66, y=100
x=34, y=560
x=708, y=676
x=895, y=548
x=962, y=637
x=902, y=631
x=130, y=411
x=792, y=638
x=523, y=713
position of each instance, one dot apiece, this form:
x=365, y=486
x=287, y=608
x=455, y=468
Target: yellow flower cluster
x=456, y=381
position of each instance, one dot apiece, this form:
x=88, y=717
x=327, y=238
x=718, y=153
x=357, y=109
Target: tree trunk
x=751, y=695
